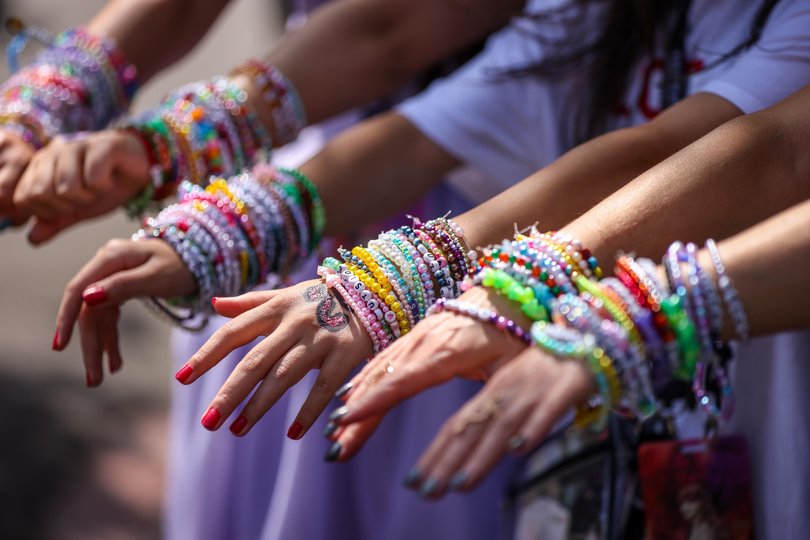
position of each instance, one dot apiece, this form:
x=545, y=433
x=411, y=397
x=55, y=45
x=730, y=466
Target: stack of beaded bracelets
x=233, y=234
x=208, y=128
x=635, y=333
x=81, y=82
x=393, y=282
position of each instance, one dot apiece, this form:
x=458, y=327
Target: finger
x=114, y=358
x=573, y=387
x=236, y=305
x=115, y=256
x=92, y=341
x=350, y=439
x=10, y=174
x=36, y=193
x=413, y=364
x=274, y=362
x=42, y=231
x=68, y=182
x=333, y=372
x=239, y=331
x=477, y=460
x=99, y=161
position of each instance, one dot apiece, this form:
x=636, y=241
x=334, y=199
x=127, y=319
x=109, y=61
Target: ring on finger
x=482, y=413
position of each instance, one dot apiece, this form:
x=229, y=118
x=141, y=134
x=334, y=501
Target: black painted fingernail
x=330, y=429
x=412, y=478
x=430, y=487
x=516, y=442
x=343, y=390
x=334, y=452
x=458, y=480
x=338, y=413
x=5, y=223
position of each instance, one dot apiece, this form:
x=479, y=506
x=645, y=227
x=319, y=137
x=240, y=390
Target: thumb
x=236, y=305
x=125, y=285
x=42, y=231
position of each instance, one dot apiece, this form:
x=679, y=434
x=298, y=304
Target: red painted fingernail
x=211, y=419
x=183, y=373
x=238, y=425
x=55, y=345
x=214, y=301
x=295, y=430
x=88, y=380
x=94, y=296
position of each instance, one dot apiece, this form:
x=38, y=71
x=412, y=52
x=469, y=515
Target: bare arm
x=154, y=34
x=741, y=173
x=581, y=178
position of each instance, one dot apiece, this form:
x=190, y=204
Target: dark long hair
x=627, y=31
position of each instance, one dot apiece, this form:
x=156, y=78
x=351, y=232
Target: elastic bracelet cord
x=729, y=293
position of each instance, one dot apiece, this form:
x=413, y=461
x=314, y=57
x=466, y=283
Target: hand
x=121, y=270
x=15, y=154
x=75, y=178
x=514, y=411
x=306, y=326
x=443, y=346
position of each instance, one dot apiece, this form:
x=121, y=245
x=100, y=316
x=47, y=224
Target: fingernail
x=238, y=425
x=339, y=413
x=334, y=452
x=55, y=344
x=5, y=224
x=88, y=380
x=430, y=487
x=211, y=418
x=516, y=442
x=94, y=296
x=214, y=301
x=458, y=480
x=183, y=373
x=343, y=390
x=115, y=369
x=412, y=478
x=295, y=430
x=330, y=429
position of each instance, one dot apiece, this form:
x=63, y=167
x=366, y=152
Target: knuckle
x=252, y=363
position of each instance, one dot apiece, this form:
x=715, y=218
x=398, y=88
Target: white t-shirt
x=509, y=128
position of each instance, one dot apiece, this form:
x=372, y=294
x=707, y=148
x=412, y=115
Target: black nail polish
x=343, y=390
x=516, y=442
x=458, y=480
x=412, y=478
x=430, y=487
x=330, y=429
x=334, y=452
x=338, y=413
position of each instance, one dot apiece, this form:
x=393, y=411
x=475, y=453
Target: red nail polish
x=55, y=345
x=295, y=430
x=88, y=380
x=94, y=296
x=238, y=425
x=183, y=373
x=211, y=419
x=214, y=301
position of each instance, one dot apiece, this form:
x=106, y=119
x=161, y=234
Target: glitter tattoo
x=334, y=322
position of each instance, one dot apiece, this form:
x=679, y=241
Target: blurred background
x=79, y=463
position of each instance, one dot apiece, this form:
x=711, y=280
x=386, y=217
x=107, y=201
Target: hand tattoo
x=334, y=322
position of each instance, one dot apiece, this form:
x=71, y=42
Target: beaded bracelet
x=482, y=314
x=730, y=295
x=81, y=82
